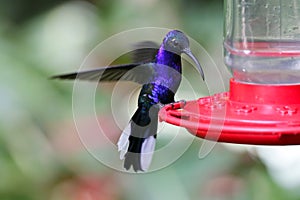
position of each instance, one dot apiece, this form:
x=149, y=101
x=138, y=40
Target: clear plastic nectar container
x=262, y=40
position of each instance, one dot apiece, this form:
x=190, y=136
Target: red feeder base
x=247, y=114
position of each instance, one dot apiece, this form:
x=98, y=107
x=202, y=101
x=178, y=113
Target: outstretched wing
x=138, y=73
x=145, y=52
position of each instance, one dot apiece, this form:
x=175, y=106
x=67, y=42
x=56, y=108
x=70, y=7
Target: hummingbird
x=159, y=71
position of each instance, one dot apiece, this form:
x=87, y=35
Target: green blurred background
x=41, y=156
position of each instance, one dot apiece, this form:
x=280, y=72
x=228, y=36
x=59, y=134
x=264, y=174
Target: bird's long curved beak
x=189, y=53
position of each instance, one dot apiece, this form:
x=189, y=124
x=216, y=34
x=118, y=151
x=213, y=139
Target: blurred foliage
x=41, y=156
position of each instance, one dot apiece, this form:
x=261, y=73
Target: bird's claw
x=181, y=104
x=159, y=105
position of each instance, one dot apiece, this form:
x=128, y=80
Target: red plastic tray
x=247, y=114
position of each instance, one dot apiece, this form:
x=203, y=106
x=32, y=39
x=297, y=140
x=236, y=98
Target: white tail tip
x=123, y=142
x=147, y=152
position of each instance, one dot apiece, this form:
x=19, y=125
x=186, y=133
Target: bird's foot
x=160, y=105
x=178, y=104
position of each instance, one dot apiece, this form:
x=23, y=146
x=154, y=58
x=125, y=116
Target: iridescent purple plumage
x=160, y=79
x=161, y=89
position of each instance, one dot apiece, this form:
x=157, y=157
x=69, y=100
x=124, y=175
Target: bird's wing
x=144, y=52
x=138, y=73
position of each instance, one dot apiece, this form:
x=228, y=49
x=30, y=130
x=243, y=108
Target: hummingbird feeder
x=262, y=107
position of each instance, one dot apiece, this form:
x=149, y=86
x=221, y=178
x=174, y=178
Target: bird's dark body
x=161, y=89
x=160, y=76
x=166, y=80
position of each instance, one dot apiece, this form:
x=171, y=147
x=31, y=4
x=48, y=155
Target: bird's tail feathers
x=140, y=153
x=123, y=142
x=137, y=142
x=147, y=152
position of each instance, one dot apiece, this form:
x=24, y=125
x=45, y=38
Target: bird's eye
x=175, y=42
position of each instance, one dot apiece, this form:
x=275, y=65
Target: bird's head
x=178, y=43
x=175, y=41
